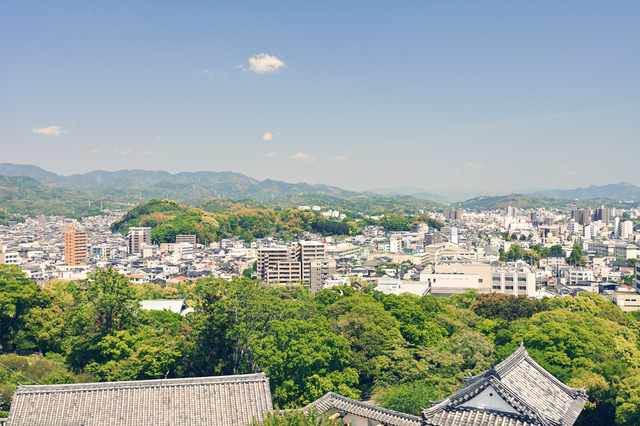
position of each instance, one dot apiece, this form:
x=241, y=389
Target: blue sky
x=485, y=95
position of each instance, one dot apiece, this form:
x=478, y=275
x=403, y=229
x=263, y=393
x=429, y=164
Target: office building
x=75, y=246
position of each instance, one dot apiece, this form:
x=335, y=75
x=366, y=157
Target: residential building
x=625, y=230
x=288, y=264
x=452, y=214
x=138, y=237
x=627, y=298
x=320, y=271
x=191, y=239
x=577, y=275
x=9, y=257
x=75, y=246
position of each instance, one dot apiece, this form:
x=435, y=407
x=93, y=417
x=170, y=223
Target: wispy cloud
x=95, y=151
x=263, y=63
x=339, y=158
x=49, y=131
x=121, y=151
x=271, y=154
x=474, y=165
x=146, y=152
x=301, y=156
x=570, y=173
x=207, y=73
x=267, y=136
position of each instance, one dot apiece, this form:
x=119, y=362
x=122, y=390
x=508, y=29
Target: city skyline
x=486, y=96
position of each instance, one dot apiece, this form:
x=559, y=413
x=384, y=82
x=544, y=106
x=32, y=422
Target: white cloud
x=271, y=154
x=146, y=152
x=301, y=156
x=95, y=151
x=267, y=136
x=49, y=131
x=264, y=63
x=570, y=173
x=157, y=136
x=339, y=158
x=207, y=73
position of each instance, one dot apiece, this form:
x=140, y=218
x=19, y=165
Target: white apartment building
x=580, y=274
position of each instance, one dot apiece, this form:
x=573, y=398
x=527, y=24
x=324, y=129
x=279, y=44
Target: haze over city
x=476, y=96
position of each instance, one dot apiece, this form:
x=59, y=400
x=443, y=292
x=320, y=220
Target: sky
x=486, y=96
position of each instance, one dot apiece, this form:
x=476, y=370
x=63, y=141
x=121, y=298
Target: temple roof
x=217, y=401
x=382, y=415
x=529, y=394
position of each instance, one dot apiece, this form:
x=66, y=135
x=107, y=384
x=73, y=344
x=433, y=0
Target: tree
x=304, y=360
x=556, y=250
x=576, y=254
x=112, y=301
x=18, y=297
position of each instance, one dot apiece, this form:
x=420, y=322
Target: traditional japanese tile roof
x=204, y=401
x=536, y=397
x=383, y=416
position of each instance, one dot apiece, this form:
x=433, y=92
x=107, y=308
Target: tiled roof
x=204, y=401
x=536, y=396
x=382, y=415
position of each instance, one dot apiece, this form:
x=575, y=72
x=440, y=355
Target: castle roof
x=516, y=391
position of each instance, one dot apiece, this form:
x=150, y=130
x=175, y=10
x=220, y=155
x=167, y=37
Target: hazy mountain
x=414, y=192
x=619, y=192
x=524, y=201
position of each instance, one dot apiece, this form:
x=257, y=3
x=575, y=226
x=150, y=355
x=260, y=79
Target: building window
x=508, y=278
x=522, y=278
x=508, y=287
x=496, y=278
x=479, y=280
x=521, y=287
x=496, y=287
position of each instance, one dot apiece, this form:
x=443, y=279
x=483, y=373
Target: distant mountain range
x=619, y=192
x=623, y=191
x=75, y=193
x=195, y=188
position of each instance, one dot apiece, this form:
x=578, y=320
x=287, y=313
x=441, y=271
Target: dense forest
x=215, y=221
x=404, y=351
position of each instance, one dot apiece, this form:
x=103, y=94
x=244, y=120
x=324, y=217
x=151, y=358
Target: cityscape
x=266, y=214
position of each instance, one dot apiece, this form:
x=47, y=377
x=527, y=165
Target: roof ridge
x=185, y=381
x=333, y=395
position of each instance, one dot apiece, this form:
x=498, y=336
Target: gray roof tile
x=215, y=401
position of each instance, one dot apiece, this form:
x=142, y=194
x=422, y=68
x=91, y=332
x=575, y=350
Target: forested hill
x=168, y=219
x=404, y=350
x=248, y=220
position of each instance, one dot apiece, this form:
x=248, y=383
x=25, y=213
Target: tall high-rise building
x=452, y=214
x=138, y=237
x=75, y=246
